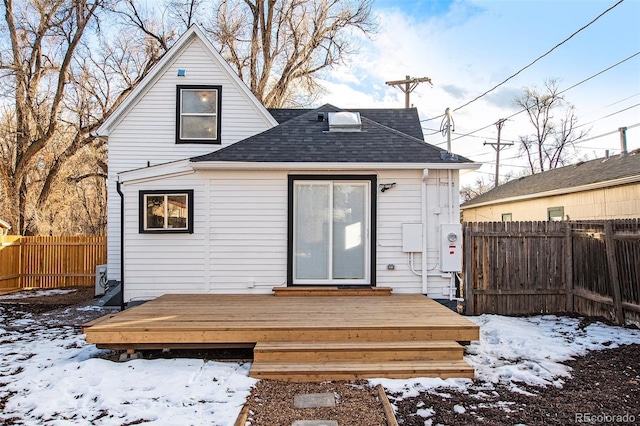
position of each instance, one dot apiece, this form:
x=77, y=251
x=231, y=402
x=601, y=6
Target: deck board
x=184, y=318
x=333, y=337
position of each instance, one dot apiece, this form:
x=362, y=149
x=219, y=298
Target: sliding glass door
x=331, y=232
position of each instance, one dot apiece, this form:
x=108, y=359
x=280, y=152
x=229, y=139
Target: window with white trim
x=198, y=114
x=166, y=211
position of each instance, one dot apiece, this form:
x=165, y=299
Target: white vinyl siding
x=248, y=236
x=239, y=244
x=159, y=263
x=403, y=204
x=146, y=134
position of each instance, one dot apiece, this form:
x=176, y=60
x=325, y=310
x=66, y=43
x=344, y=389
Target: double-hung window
x=166, y=211
x=198, y=114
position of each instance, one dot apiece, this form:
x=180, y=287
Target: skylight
x=344, y=121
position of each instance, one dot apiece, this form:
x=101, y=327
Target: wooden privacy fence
x=50, y=262
x=587, y=267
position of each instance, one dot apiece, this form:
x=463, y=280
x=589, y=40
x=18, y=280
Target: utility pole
x=408, y=85
x=498, y=147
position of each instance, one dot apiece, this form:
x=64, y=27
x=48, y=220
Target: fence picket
x=588, y=267
x=50, y=262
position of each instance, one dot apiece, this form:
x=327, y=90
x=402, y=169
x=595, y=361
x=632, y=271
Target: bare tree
x=62, y=86
x=554, y=122
x=277, y=47
x=479, y=187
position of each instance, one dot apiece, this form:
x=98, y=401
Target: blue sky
x=468, y=46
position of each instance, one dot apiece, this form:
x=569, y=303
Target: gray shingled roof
x=305, y=139
x=583, y=173
x=405, y=120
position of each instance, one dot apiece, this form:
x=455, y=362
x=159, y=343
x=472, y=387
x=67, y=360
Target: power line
x=563, y=91
x=601, y=72
x=534, y=61
x=609, y=105
x=609, y=115
x=613, y=132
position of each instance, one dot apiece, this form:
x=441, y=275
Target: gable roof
x=601, y=172
x=194, y=32
x=304, y=139
x=405, y=120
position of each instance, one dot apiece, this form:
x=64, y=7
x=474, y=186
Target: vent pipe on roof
x=623, y=140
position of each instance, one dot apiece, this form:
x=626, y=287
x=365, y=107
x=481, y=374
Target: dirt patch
x=71, y=296
x=57, y=307
x=357, y=403
x=603, y=383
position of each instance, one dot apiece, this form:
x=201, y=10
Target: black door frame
x=373, y=182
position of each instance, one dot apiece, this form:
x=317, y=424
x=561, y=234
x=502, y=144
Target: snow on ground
x=36, y=293
x=514, y=351
x=54, y=377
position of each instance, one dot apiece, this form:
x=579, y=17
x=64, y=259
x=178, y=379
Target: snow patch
x=37, y=293
x=60, y=381
x=514, y=351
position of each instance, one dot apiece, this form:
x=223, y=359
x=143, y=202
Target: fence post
x=468, y=271
x=568, y=263
x=613, y=272
x=20, y=262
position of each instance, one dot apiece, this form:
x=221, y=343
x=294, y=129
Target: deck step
x=357, y=351
x=331, y=291
x=311, y=372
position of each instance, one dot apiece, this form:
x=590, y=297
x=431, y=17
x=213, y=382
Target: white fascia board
x=562, y=191
x=241, y=165
x=156, y=72
x=160, y=171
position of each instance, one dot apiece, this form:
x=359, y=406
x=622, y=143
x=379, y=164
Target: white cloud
x=478, y=44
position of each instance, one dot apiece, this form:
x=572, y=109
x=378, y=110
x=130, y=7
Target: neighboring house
x=222, y=196
x=605, y=188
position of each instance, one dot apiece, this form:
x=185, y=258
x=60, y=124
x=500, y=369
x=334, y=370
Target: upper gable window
x=198, y=114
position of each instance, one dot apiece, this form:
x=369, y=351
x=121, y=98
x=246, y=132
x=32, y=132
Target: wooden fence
x=50, y=262
x=590, y=268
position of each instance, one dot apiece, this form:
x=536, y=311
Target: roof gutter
x=244, y=165
x=562, y=191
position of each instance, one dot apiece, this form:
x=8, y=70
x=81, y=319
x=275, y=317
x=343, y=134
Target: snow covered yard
x=524, y=361
x=49, y=375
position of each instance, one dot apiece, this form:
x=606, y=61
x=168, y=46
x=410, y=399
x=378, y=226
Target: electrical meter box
x=412, y=237
x=451, y=247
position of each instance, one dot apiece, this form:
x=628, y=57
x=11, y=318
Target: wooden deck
x=302, y=338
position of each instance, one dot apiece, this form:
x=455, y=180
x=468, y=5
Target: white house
x=222, y=196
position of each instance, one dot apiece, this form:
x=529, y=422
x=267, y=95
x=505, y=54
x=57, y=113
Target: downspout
x=118, y=188
x=452, y=219
x=425, y=214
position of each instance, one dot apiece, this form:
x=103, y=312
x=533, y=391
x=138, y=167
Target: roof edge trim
x=562, y=191
x=238, y=165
